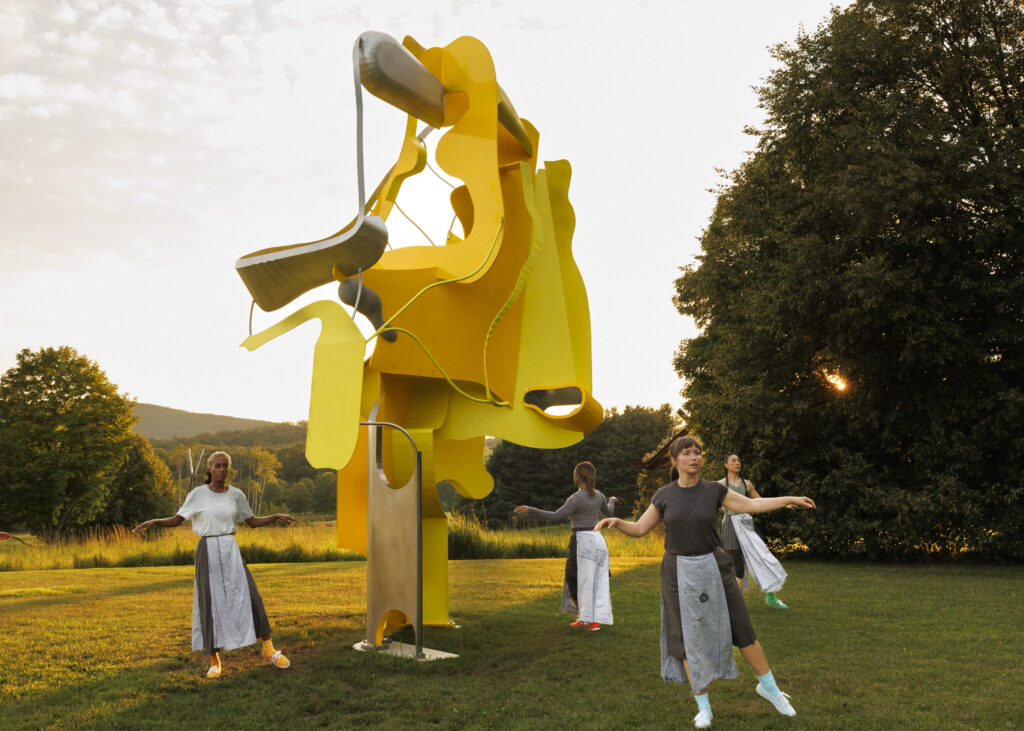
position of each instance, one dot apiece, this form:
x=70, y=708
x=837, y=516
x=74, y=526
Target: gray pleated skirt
x=739, y=616
x=729, y=540
x=227, y=609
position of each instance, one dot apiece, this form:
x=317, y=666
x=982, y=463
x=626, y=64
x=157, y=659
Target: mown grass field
x=863, y=647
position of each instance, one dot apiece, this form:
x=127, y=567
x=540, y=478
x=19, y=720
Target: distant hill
x=161, y=422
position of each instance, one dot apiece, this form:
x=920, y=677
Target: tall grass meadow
x=468, y=538
x=117, y=548
x=302, y=542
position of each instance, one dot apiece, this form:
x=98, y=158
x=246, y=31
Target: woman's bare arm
x=164, y=522
x=739, y=504
x=256, y=522
x=641, y=527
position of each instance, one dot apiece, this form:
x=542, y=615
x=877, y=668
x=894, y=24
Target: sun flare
x=835, y=380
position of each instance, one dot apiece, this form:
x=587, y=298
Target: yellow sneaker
x=213, y=672
x=279, y=660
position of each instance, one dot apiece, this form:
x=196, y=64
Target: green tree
x=325, y=493
x=254, y=468
x=64, y=429
x=142, y=487
x=294, y=465
x=300, y=496
x=873, y=238
x=543, y=477
x=187, y=465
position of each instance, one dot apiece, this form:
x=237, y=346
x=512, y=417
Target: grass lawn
x=863, y=647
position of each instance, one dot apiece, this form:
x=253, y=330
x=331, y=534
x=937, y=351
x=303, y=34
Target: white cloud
x=17, y=86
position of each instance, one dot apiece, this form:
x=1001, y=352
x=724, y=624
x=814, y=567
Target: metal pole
x=419, y=555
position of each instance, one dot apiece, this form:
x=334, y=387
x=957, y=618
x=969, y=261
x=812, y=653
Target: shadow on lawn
x=76, y=594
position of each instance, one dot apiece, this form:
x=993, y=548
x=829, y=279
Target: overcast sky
x=144, y=146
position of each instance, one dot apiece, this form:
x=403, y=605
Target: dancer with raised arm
x=585, y=591
x=227, y=609
x=702, y=608
x=745, y=547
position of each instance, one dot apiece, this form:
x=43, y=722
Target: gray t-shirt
x=583, y=508
x=690, y=515
x=215, y=513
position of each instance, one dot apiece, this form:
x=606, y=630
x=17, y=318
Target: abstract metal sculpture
x=484, y=335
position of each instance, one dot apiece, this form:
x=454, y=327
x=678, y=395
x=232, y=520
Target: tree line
x=69, y=460
x=276, y=479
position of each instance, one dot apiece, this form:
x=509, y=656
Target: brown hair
x=678, y=446
x=585, y=476
x=684, y=443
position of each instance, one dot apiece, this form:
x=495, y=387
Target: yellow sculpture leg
x=337, y=365
x=352, y=508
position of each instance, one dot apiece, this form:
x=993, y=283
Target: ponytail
x=585, y=476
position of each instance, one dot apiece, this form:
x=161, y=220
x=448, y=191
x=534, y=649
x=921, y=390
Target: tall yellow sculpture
x=484, y=335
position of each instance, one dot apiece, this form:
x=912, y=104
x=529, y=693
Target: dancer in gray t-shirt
x=583, y=508
x=689, y=507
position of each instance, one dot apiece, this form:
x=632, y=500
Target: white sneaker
x=702, y=720
x=780, y=701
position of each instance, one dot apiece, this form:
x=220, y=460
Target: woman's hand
x=141, y=528
x=521, y=509
x=286, y=519
x=801, y=502
x=607, y=523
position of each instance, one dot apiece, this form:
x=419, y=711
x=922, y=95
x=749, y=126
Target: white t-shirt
x=215, y=513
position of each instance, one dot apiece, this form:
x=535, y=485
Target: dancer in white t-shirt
x=227, y=609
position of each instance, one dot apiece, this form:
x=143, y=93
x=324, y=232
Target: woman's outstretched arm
x=739, y=504
x=165, y=522
x=641, y=527
x=555, y=516
x=256, y=522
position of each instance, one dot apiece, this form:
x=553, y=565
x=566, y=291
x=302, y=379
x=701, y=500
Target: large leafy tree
x=543, y=477
x=875, y=236
x=142, y=487
x=64, y=429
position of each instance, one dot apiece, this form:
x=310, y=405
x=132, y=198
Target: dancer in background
x=741, y=541
x=702, y=608
x=227, y=610
x=585, y=592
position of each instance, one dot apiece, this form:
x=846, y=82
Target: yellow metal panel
x=337, y=369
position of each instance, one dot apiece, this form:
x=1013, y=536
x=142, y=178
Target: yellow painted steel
x=483, y=322
x=337, y=363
